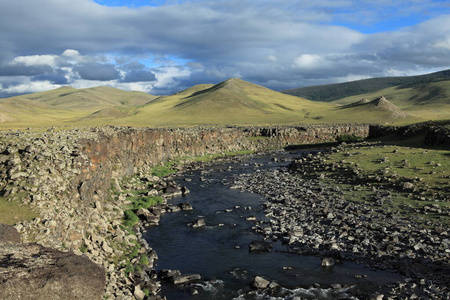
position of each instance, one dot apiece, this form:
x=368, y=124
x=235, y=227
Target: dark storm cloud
x=23, y=70
x=52, y=78
x=96, y=71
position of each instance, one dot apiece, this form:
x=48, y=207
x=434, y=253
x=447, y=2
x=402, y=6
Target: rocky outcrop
x=432, y=133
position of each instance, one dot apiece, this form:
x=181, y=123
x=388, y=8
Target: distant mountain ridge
x=331, y=92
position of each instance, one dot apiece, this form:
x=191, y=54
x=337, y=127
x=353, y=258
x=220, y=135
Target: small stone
x=328, y=262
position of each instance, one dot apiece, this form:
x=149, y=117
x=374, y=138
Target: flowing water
x=220, y=253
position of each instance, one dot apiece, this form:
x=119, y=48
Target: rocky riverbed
x=315, y=218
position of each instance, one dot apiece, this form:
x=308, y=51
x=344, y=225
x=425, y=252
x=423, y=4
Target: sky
x=162, y=47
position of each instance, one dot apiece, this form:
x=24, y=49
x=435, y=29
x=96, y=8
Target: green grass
x=427, y=169
x=12, y=212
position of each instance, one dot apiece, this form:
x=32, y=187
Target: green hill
x=331, y=92
x=66, y=105
x=233, y=101
x=428, y=101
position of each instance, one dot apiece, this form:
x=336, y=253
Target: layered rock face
x=66, y=175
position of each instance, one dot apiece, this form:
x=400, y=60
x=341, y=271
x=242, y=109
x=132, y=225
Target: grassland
x=332, y=92
x=417, y=178
x=232, y=102
x=429, y=101
x=12, y=212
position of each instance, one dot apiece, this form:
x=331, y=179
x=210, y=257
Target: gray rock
x=260, y=283
x=197, y=223
x=180, y=279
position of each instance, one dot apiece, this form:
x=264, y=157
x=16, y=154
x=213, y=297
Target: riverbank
x=313, y=213
x=71, y=179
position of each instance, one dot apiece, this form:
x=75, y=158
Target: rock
x=197, y=223
x=9, y=234
x=185, y=190
x=328, y=262
x=166, y=274
x=33, y=272
x=260, y=283
x=407, y=185
x=260, y=246
x=138, y=293
x=180, y=279
x=185, y=206
x=172, y=191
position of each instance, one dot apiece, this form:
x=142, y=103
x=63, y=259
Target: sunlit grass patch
x=12, y=212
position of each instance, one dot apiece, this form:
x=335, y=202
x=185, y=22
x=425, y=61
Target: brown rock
x=9, y=234
x=33, y=272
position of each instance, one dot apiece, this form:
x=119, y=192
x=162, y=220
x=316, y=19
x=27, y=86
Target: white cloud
x=36, y=60
x=72, y=54
x=272, y=58
x=31, y=87
x=310, y=61
x=443, y=43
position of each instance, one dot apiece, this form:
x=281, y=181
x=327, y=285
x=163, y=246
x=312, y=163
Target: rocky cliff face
x=433, y=133
x=65, y=175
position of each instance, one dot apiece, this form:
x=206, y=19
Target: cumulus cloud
x=282, y=44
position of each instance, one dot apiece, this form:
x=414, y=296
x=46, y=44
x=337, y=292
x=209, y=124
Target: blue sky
x=162, y=47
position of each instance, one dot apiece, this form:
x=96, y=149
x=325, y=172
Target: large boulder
x=33, y=272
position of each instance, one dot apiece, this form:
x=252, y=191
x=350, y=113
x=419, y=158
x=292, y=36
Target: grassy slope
x=68, y=105
x=231, y=102
x=333, y=92
x=428, y=101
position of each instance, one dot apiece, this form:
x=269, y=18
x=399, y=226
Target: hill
x=66, y=105
x=331, y=92
x=96, y=97
x=428, y=101
x=233, y=101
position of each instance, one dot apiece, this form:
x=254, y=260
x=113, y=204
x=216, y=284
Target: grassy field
x=426, y=173
x=12, y=212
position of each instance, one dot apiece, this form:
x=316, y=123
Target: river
x=220, y=251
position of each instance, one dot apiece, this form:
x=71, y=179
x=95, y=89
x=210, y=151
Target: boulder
x=33, y=272
x=260, y=283
x=172, y=191
x=180, y=279
x=185, y=206
x=197, y=223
